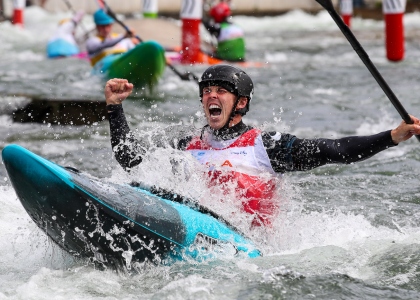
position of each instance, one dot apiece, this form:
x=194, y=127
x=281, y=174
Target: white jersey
x=98, y=47
x=65, y=32
x=229, y=32
x=244, y=162
x=245, y=154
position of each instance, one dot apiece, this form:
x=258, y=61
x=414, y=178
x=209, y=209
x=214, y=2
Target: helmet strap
x=233, y=113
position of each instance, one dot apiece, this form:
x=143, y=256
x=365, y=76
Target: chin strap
x=233, y=113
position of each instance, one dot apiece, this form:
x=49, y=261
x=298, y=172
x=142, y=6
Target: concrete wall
x=172, y=7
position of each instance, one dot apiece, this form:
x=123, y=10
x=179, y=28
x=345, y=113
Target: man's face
x=104, y=30
x=217, y=104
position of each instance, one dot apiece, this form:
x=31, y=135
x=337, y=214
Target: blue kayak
x=61, y=48
x=117, y=225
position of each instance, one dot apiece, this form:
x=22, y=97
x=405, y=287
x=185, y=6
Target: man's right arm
x=125, y=146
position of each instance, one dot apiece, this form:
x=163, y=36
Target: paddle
x=327, y=4
x=188, y=76
x=73, y=11
x=69, y=5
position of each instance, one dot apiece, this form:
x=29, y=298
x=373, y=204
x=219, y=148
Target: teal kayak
x=117, y=225
x=142, y=66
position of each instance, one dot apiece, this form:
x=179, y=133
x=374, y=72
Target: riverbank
x=171, y=8
x=375, y=11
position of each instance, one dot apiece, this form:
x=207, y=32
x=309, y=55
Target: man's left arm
x=288, y=153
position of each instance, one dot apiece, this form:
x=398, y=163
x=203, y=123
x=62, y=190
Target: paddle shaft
x=73, y=11
x=69, y=5
x=112, y=15
x=327, y=4
x=187, y=76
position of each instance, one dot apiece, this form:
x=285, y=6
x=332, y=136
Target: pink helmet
x=220, y=12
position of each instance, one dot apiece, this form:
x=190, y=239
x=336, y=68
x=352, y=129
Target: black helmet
x=231, y=78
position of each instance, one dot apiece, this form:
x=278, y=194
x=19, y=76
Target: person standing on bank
x=242, y=155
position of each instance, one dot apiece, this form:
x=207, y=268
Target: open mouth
x=215, y=110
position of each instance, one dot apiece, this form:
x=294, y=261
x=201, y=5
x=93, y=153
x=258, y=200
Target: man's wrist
x=113, y=107
x=110, y=102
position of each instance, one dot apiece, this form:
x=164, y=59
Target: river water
x=344, y=232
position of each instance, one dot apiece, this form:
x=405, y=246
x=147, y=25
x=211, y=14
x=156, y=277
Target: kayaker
x=63, y=42
x=240, y=154
x=230, y=37
x=106, y=43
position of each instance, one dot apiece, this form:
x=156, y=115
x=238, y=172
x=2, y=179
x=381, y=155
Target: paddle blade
x=327, y=4
x=189, y=76
x=101, y=4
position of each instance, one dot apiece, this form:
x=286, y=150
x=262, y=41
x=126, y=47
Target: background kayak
x=143, y=65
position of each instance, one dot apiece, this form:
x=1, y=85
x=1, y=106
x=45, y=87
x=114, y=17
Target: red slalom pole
x=394, y=29
x=191, y=15
x=346, y=11
x=18, y=7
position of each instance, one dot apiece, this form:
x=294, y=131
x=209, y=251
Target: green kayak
x=142, y=66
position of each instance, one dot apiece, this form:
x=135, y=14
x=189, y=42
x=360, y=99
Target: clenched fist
x=117, y=90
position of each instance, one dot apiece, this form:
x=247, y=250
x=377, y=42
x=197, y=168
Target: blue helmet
x=101, y=18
